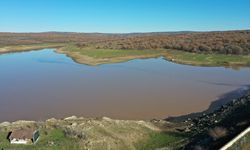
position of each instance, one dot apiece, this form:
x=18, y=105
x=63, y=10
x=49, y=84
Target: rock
x=71, y=118
x=187, y=130
x=74, y=124
x=51, y=120
x=51, y=143
x=4, y=124
x=106, y=119
x=23, y=122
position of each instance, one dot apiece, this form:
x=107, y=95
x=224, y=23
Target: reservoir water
x=38, y=85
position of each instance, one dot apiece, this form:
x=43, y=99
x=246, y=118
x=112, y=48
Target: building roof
x=22, y=134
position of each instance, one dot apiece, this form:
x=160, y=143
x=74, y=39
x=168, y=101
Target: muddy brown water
x=38, y=85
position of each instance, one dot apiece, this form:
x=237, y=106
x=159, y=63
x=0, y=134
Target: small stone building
x=23, y=136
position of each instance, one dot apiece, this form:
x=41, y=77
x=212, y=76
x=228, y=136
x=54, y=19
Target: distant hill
x=222, y=42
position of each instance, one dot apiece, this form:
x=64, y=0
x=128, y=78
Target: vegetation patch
x=93, y=56
x=160, y=140
x=109, y=53
x=199, y=59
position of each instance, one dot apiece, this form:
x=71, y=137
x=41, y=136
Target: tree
x=205, y=48
x=234, y=49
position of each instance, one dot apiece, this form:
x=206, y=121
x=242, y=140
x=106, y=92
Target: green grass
x=208, y=59
x=160, y=140
x=109, y=53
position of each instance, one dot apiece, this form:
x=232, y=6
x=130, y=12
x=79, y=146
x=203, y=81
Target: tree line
x=227, y=42
x=234, y=42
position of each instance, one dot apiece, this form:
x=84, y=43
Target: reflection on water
x=43, y=84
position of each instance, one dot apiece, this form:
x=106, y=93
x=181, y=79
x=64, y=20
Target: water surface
x=37, y=85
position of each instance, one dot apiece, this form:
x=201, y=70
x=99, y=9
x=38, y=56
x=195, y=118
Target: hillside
x=227, y=42
x=79, y=133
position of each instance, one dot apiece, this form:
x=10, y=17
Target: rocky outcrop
x=213, y=130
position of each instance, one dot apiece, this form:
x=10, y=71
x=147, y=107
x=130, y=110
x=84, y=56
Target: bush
x=234, y=49
x=205, y=48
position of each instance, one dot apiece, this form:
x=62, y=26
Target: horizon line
x=128, y=32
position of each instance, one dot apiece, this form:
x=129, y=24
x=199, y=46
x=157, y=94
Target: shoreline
x=91, y=61
x=214, y=105
x=85, y=56
x=25, y=48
